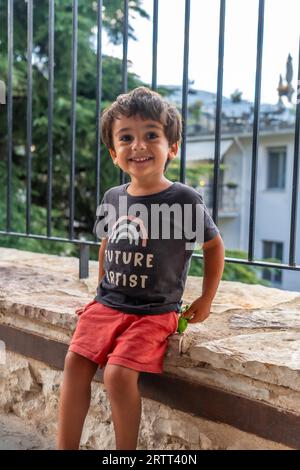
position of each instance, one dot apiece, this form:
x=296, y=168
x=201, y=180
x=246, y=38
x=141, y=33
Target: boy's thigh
x=96, y=331
x=142, y=346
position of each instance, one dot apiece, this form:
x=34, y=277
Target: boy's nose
x=138, y=145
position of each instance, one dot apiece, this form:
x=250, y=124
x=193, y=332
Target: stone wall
x=249, y=346
x=30, y=390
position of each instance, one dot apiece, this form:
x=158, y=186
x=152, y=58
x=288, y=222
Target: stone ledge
x=239, y=349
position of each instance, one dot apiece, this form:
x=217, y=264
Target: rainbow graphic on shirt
x=126, y=227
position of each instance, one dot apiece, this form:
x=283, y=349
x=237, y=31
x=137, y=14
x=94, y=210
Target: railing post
x=84, y=261
x=2, y=92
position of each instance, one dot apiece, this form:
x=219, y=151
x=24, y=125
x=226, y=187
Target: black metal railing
x=84, y=245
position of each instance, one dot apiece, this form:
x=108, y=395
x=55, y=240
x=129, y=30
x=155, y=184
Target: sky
x=281, y=37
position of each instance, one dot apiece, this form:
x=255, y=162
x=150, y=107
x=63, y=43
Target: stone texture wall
x=30, y=390
x=249, y=345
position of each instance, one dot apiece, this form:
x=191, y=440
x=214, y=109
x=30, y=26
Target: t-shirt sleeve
x=208, y=229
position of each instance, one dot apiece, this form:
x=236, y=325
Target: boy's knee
x=72, y=360
x=76, y=363
x=119, y=377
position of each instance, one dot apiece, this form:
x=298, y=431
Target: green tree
x=85, y=128
x=193, y=172
x=232, y=271
x=85, y=204
x=236, y=96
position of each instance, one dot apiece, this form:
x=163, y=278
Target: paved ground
x=17, y=435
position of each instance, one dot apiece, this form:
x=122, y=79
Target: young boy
x=143, y=264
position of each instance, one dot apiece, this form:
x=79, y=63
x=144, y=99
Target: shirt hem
x=139, y=310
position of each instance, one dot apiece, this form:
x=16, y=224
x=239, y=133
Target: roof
x=244, y=109
x=205, y=150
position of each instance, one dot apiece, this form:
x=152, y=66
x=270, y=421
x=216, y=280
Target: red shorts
x=109, y=336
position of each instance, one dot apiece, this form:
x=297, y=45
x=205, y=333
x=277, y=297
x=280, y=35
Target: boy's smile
x=141, y=148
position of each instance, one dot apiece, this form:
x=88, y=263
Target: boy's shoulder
x=187, y=193
x=114, y=191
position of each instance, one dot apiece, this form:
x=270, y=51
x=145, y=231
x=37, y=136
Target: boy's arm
x=213, y=253
x=101, y=259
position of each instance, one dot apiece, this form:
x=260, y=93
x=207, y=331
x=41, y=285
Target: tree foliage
x=85, y=172
x=85, y=177
x=232, y=271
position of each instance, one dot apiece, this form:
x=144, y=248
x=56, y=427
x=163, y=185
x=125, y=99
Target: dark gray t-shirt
x=150, y=241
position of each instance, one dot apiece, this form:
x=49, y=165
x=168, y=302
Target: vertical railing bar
x=84, y=261
x=125, y=48
x=124, y=63
x=98, y=101
x=255, y=141
x=185, y=89
x=154, y=45
x=218, y=129
x=73, y=114
x=10, y=51
x=260, y=36
x=50, y=112
x=29, y=112
x=293, y=227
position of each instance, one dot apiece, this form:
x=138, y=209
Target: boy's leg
x=124, y=396
x=74, y=399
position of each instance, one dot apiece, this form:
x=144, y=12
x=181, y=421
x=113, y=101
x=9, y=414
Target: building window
x=273, y=251
x=276, y=168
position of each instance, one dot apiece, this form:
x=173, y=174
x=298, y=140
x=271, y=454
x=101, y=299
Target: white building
x=273, y=197
x=274, y=171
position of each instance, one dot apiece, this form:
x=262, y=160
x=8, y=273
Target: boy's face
x=141, y=148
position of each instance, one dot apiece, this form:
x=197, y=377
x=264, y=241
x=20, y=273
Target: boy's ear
x=112, y=154
x=173, y=150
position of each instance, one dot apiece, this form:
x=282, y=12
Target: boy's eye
x=125, y=138
x=152, y=135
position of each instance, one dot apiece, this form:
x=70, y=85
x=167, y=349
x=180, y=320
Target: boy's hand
x=199, y=310
x=79, y=310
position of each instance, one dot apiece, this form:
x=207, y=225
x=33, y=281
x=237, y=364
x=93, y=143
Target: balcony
x=229, y=199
